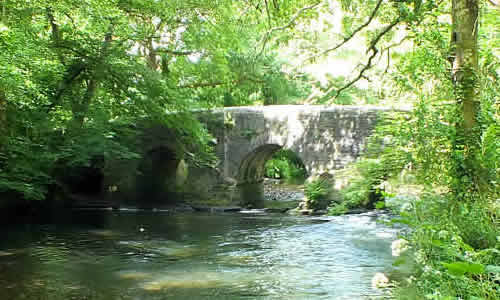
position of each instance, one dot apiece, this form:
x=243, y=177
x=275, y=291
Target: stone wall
x=326, y=138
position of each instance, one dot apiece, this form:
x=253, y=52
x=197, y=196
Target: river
x=107, y=255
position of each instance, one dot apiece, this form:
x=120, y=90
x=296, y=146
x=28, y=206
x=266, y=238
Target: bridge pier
x=325, y=138
x=251, y=194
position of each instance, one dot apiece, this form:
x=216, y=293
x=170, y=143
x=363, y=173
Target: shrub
x=285, y=164
x=364, y=190
x=317, y=193
x=456, y=250
x=337, y=209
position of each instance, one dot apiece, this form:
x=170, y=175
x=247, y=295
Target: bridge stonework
x=326, y=138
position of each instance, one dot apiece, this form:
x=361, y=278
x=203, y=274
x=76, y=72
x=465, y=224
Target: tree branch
x=268, y=14
x=174, y=52
x=72, y=73
x=56, y=34
x=218, y=83
x=494, y=3
x=75, y=70
x=276, y=5
x=80, y=53
x=369, y=64
x=203, y=84
x=388, y=49
x=349, y=37
x=267, y=35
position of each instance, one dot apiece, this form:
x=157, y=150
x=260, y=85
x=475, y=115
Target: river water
x=159, y=255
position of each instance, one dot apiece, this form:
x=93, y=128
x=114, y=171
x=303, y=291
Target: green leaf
x=460, y=268
x=399, y=261
x=401, y=221
x=492, y=269
x=437, y=243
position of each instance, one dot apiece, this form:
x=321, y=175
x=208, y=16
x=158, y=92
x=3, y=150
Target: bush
x=364, y=190
x=337, y=209
x=456, y=251
x=276, y=168
x=285, y=164
x=317, y=193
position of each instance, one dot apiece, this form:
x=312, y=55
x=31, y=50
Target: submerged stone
x=194, y=280
x=133, y=275
x=5, y=253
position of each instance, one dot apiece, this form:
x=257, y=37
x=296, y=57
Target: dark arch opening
x=252, y=172
x=156, y=177
x=86, y=180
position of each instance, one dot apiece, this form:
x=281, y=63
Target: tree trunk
x=3, y=117
x=80, y=107
x=465, y=75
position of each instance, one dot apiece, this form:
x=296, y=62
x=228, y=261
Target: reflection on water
x=156, y=255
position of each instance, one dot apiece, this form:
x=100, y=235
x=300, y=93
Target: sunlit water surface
x=157, y=255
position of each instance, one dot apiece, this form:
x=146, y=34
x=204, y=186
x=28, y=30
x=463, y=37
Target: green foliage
x=261, y=80
x=456, y=250
x=24, y=168
x=285, y=164
x=362, y=191
x=367, y=175
x=454, y=226
x=78, y=79
x=380, y=205
x=461, y=268
x=338, y=209
x=275, y=168
x=317, y=193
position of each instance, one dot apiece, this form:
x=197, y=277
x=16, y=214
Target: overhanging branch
x=174, y=52
x=369, y=64
x=268, y=34
x=219, y=83
x=349, y=37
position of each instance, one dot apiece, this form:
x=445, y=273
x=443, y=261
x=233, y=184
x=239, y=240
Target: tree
x=465, y=76
x=77, y=78
x=424, y=24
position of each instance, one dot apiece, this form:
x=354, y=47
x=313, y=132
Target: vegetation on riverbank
x=286, y=165
x=454, y=218
x=78, y=80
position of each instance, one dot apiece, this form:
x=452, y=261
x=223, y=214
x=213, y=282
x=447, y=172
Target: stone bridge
x=326, y=138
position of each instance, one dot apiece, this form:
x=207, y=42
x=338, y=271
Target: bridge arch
x=251, y=173
x=252, y=167
x=156, y=177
